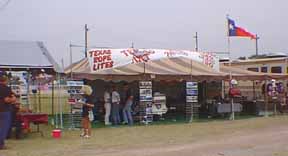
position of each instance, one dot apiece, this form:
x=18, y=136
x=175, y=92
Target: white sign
x=75, y=83
x=100, y=59
x=191, y=92
x=192, y=85
x=145, y=90
x=191, y=99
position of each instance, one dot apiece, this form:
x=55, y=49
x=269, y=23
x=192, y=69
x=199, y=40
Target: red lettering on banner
x=95, y=53
x=101, y=59
x=208, y=59
x=124, y=52
x=138, y=55
x=103, y=65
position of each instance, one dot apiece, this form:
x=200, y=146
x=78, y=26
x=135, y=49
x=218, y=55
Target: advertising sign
x=145, y=90
x=191, y=92
x=100, y=59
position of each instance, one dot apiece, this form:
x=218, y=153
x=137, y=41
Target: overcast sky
x=148, y=23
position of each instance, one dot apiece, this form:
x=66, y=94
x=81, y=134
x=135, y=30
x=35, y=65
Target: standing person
x=107, y=105
x=7, y=98
x=127, y=116
x=14, y=121
x=87, y=106
x=115, y=106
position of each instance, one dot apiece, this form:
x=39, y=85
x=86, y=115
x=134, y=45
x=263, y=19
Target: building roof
x=241, y=74
x=26, y=54
x=258, y=61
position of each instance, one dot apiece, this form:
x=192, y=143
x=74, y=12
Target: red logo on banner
x=208, y=59
x=101, y=59
x=138, y=55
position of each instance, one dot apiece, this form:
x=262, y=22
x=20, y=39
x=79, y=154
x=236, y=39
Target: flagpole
x=230, y=74
x=256, y=40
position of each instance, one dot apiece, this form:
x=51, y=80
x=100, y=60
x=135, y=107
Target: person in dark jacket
x=7, y=98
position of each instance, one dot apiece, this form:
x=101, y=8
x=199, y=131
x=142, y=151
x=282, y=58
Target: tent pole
x=52, y=102
x=266, y=99
x=52, y=96
x=191, y=104
x=39, y=97
x=223, y=89
x=59, y=101
x=254, y=93
x=28, y=89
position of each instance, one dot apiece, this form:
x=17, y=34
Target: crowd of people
x=117, y=107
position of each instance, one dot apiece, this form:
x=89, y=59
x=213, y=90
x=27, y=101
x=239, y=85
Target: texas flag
x=238, y=31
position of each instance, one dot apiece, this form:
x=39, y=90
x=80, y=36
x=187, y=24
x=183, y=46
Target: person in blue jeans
x=7, y=98
x=115, y=98
x=127, y=116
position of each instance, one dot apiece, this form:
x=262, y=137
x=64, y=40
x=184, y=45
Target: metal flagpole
x=230, y=74
x=230, y=78
x=196, y=41
x=256, y=44
x=86, y=39
x=71, y=61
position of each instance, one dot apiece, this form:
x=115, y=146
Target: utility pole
x=86, y=32
x=257, y=38
x=196, y=41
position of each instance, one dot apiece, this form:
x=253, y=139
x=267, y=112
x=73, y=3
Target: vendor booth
x=166, y=82
x=168, y=73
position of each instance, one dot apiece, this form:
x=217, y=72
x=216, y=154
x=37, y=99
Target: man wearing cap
x=7, y=98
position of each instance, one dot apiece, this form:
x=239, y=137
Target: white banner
x=100, y=59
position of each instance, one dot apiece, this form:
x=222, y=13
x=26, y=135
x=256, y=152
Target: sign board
x=146, y=98
x=145, y=90
x=74, y=83
x=100, y=59
x=191, y=99
x=191, y=92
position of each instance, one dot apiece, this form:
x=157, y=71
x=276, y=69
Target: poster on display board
x=192, y=85
x=192, y=92
x=74, y=90
x=100, y=59
x=145, y=90
x=191, y=99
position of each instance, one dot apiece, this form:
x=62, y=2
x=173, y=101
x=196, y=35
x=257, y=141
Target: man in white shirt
x=107, y=105
x=115, y=106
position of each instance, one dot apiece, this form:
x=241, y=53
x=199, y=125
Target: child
x=87, y=106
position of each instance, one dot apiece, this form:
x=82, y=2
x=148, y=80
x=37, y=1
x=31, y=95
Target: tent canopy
x=17, y=55
x=165, y=67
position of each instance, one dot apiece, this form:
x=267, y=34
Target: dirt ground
x=249, y=137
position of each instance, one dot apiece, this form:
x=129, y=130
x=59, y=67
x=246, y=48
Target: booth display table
x=35, y=118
